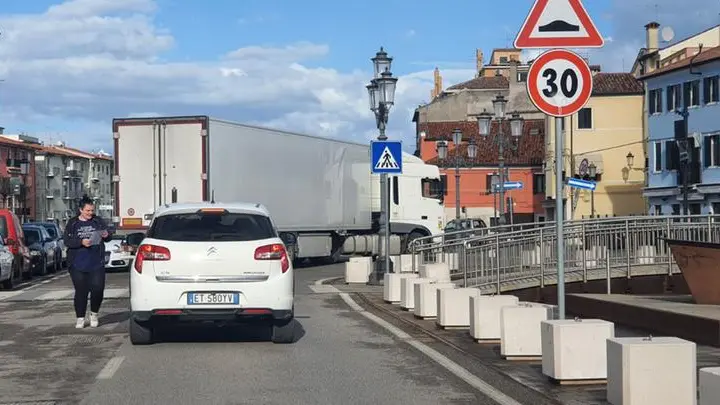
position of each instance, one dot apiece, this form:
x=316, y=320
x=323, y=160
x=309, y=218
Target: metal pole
x=501, y=166
x=592, y=203
x=559, y=217
x=387, y=224
x=686, y=171
x=457, y=182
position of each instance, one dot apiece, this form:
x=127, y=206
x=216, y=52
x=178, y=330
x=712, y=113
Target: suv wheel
x=10, y=282
x=283, y=332
x=140, y=334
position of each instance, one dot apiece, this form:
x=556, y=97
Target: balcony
x=17, y=166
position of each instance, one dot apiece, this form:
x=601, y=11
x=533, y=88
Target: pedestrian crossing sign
x=386, y=157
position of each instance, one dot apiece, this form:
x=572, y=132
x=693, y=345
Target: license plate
x=215, y=298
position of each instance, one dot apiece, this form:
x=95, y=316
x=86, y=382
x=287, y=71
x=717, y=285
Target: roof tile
x=613, y=84
x=530, y=151
x=483, y=83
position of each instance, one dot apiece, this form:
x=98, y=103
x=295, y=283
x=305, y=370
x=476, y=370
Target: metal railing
x=512, y=258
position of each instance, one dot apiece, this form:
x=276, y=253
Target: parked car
x=13, y=237
x=7, y=278
x=56, y=233
x=120, y=251
x=43, y=248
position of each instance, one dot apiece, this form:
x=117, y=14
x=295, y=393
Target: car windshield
x=31, y=236
x=231, y=227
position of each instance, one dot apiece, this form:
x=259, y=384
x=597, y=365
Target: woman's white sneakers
x=94, y=321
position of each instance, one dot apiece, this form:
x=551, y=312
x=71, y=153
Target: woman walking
x=84, y=238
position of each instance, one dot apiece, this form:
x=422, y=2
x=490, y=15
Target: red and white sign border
x=538, y=66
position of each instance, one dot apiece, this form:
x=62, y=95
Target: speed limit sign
x=559, y=83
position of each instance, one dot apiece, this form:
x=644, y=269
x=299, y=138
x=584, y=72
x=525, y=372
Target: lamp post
x=592, y=175
x=381, y=94
x=684, y=149
x=442, y=150
x=516, y=129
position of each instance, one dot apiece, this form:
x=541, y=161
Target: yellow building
x=606, y=133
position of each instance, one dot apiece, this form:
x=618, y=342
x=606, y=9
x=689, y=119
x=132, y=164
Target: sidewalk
x=527, y=373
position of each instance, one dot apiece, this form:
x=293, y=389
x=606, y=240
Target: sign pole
x=560, y=216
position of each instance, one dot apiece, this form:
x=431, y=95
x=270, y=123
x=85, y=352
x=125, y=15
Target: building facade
x=17, y=177
x=457, y=107
x=684, y=144
x=607, y=134
x=65, y=175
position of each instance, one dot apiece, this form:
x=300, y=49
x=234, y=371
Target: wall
x=617, y=129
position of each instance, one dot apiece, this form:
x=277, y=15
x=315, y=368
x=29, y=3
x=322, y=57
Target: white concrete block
x=452, y=260
x=391, y=286
x=554, y=310
x=453, y=306
x=520, y=330
x=709, y=386
x=358, y=269
x=438, y=271
x=646, y=254
x=426, y=298
x=485, y=315
x=405, y=264
x=407, y=291
x=575, y=349
x=651, y=371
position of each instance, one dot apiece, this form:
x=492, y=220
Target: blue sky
x=69, y=67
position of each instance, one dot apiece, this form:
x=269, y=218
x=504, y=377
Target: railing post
x=608, y=273
x=584, y=252
x=497, y=259
x=709, y=230
x=413, y=252
x=669, y=254
x=628, y=255
x=542, y=260
x=463, y=249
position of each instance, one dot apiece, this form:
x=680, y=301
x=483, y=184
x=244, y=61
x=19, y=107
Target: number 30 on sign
x=559, y=83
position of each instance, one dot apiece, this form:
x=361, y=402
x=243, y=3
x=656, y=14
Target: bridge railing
x=594, y=249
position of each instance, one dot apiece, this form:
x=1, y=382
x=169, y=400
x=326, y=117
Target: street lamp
x=381, y=95
x=485, y=120
x=592, y=174
x=442, y=150
x=630, y=159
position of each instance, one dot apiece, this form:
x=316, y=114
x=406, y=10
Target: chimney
x=479, y=62
x=2, y=130
x=513, y=72
x=652, y=39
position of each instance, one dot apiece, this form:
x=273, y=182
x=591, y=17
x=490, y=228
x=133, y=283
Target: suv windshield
x=32, y=236
x=51, y=230
x=193, y=227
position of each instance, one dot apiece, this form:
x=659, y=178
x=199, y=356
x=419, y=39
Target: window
x=710, y=89
x=673, y=97
x=229, y=227
x=432, y=188
x=522, y=77
x=396, y=190
x=503, y=59
x=695, y=209
x=443, y=183
x=585, y=118
x=676, y=209
x=691, y=93
x=716, y=208
x=711, y=151
x=655, y=101
x=489, y=179
x=657, y=157
x=538, y=183
x=672, y=155
x=32, y=236
x=657, y=209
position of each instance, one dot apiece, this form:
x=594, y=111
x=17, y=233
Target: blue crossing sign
x=386, y=157
x=510, y=185
x=583, y=184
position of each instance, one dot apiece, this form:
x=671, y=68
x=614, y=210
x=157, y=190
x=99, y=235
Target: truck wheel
x=140, y=334
x=411, y=237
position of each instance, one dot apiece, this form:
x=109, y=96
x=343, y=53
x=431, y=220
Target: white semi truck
x=320, y=191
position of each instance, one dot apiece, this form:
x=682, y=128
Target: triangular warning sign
x=558, y=24
x=387, y=160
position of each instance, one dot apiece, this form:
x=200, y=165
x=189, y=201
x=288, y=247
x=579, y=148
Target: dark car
x=42, y=249
x=54, y=230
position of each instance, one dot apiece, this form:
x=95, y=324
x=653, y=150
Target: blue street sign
x=583, y=184
x=511, y=185
x=386, y=157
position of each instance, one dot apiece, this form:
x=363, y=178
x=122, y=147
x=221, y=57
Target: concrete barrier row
x=637, y=371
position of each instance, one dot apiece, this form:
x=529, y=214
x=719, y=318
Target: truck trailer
x=320, y=191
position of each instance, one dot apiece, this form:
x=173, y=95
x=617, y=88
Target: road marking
x=117, y=293
x=110, y=368
x=4, y=295
x=54, y=295
x=324, y=289
x=443, y=361
x=324, y=280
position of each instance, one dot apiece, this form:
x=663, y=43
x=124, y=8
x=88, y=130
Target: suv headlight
x=34, y=253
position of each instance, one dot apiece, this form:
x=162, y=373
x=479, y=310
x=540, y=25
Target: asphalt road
x=341, y=358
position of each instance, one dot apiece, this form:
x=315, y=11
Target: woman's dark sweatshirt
x=79, y=257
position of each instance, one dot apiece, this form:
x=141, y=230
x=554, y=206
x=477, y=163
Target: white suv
x=211, y=262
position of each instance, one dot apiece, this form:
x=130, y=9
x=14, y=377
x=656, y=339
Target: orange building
x=524, y=164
